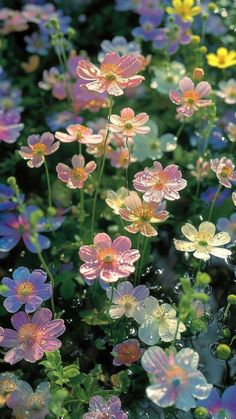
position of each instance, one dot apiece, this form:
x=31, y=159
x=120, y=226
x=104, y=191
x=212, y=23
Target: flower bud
x=198, y=74
x=203, y=49
x=200, y=413
x=212, y=7
x=231, y=299
x=195, y=39
x=223, y=351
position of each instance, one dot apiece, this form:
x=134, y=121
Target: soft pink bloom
x=190, y=98
x=97, y=150
x=202, y=169
x=142, y=215
x=234, y=198
x=157, y=183
x=78, y=133
x=108, y=260
x=13, y=21
x=38, y=147
x=121, y=158
x=115, y=74
x=32, y=336
x=127, y=352
x=75, y=177
x=224, y=169
x=51, y=80
x=128, y=123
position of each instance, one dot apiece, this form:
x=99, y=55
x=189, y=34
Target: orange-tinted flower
x=78, y=133
x=38, y=147
x=76, y=176
x=128, y=123
x=127, y=352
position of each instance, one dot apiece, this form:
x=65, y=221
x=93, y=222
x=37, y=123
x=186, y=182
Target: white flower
x=157, y=322
x=116, y=200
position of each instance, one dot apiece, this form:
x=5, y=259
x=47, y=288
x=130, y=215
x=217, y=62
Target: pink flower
x=158, y=183
x=78, y=133
x=75, y=177
x=108, y=260
x=189, y=97
x=142, y=215
x=32, y=336
x=97, y=150
x=128, y=124
x=127, y=352
x=38, y=147
x=224, y=169
x=121, y=158
x=202, y=169
x=116, y=73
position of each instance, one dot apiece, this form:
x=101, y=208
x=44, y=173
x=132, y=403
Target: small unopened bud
x=203, y=278
x=200, y=413
x=212, y=7
x=204, y=16
x=223, y=351
x=203, y=49
x=195, y=39
x=231, y=299
x=198, y=74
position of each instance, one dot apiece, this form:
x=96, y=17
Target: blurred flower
x=148, y=27
x=51, y=80
x=190, y=98
x=75, y=177
x=215, y=23
x=62, y=120
x=80, y=133
x=127, y=352
x=116, y=200
x=234, y=198
x=108, y=260
x=104, y=147
x=126, y=298
x=224, y=170
x=228, y=224
x=119, y=45
x=32, y=336
x=125, y=5
x=13, y=21
x=202, y=169
x=157, y=322
x=26, y=403
x=87, y=99
x=129, y=124
x=9, y=126
x=175, y=378
x=185, y=9
x=116, y=73
x=9, y=382
x=142, y=215
x=26, y=288
x=32, y=64
x=157, y=183
x=231, y=129
x=14, y=227
x=208, y=195
x=203, y=242
x=38, y=147
x=177, y=33
x=99, y=409
x=222, y=59
x=6, y=195
x=167, y=78
x=227, y=91
x=150, y=8
x=121, y=158
x=221, y=407
x=37, y=43
x=10, y=97
x=153, y=146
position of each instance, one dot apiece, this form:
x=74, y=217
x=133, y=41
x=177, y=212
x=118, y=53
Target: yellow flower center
x=7, y=386
x=27, y=332
x=144, y=213
x=25, y=288
x=111, y=71
x=128, y=125
x=159, y=313
x=107, y=255
x=175, y=375
x=81, y=132
x=39, y=149
x=191, y=96
x=78, y=173
x=226, y=172
x=183, y=10
x=127, y=301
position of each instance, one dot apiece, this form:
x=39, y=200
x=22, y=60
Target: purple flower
x=14, y=227
x=9, y=97
x=99, y=409
x=221, y=406
x=209, y=194
x=148, y=28
x=150, y=8
x=37, y=43
x=6, y=194
x=9, y=126
x=27, y=288
x=126, y=298
x=120, y=45
x=32, y=336
x=27, y=403
x=229, y=225
x=178, y=33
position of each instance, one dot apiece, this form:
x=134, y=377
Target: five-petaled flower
x=157, y=183
x=38, y=147
x=32, y=336
x=129, y=124
x=108, y=260
x=222, y=59
x=221, y=407
x=76, y=176
x=175, y=378
x=26, y=288
x=185, y=9
x=80, y=133
x=203, y=242
x=99, y=408
x=190, y=98
x=115, y=74
x=127, y=352
x=224, y=169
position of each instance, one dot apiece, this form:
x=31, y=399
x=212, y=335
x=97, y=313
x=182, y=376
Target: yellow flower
x=222, y=59
x=184, y=8
x=32, y=64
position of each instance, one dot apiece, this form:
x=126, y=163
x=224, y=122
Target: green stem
x=226, y=311
x=137, y=265
x=44, y=264
x=108, y=309
x=100, y=172
x=176, y=332
x=142, y=258
x=127, y=168
x=181, y=127
x=213, y=201
x=48, y=184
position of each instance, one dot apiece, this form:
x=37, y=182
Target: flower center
x=39, y=149
x=184, y=11
x=78, y=173
x=25, y=289
x=159, y=313
x=144, y=213
x=191, y=96
x=3, y=199
x=7, y=386
x=226, y=172
x=107, y=255
x=128, y=125
x=176, y=375
x=27, y=333
x=111, y=71
x=127, y=301
x=203, y=243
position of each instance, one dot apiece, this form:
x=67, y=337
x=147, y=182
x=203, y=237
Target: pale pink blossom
x=224, y=169
x=38, y=147
x=234, y=198
x=202, y=169
x=128, y=123
x=231, y=130
x=108, y=260
x=121, y=158
x=190, y=98
x=97, y=150
x=227, y=91
x=157, y=183
x=76, y=176
x=115, y=74
x=78, y=133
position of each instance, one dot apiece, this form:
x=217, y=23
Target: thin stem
x=226, y=311
x=213, y=201
x=176, y=332
x=108, y=309
x=44, y=264
x=137, y=265
x=142, y=258
x=81, y=217
x=48, y=184
x=101, y=171
x=127, y=168
x=181, y=127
